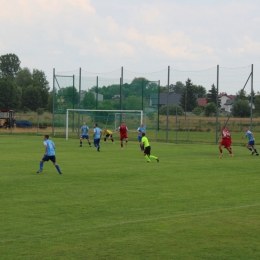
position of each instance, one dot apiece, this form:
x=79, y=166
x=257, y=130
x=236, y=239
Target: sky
x=144, y=37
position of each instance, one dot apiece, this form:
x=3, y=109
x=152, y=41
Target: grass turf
x=115, y=205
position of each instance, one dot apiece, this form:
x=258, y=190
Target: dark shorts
x=251, y=143
x=46, y=158
x=107, y=135
x=84, y=136
x=147, y=150
x=139, y=138
x=96, y=141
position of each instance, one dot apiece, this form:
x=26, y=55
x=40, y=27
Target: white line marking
x=130, y=222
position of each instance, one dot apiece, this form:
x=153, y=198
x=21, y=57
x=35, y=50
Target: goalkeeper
x=108, y=134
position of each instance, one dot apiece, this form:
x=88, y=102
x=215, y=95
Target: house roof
x=202, y=102
x=173, y=99
x=229, y=102
x=226, y=95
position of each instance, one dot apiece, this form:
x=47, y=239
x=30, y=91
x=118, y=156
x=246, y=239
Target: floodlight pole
x=53, y=99
x=217, y=104
x=252, y=90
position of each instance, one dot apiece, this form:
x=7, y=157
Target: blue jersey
x=250, y=136
x=97, y=132
x=50, y=147
x=141, y=129
x=84, y=129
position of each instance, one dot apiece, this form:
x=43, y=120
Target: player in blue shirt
x=49, y=154
x=84, y=134
x=96, y=135
x=141, y=129
x=251, y=141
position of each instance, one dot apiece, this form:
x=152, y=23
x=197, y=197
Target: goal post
x=94, y=110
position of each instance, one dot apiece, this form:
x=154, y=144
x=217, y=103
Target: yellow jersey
x=107, y=132
x=145, y=141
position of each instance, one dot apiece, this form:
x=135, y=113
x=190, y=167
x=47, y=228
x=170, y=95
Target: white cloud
x=148, y=34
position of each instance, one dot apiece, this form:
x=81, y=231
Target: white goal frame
x=93, y=110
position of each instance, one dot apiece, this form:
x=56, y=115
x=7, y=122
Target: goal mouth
x=106, y=117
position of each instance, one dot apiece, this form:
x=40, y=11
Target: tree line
x=20, y=88
x=25, y=90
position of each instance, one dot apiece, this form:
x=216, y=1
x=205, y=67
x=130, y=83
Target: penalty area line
x=129, y=222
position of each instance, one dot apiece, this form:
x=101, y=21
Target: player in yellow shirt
x=108, y=134
x=147, y=149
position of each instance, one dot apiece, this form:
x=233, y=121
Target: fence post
x=53, y=100
x=217, y=104
x=79, y=105
x=176, y=126
x=167, y=112
x=251, y=111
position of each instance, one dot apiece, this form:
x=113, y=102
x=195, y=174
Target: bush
x=197, y=111
x=210, y=109
x=241, y=108
x=172, y=110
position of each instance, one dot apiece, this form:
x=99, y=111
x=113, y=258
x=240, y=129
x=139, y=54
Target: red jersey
x=123, y=131
x=226, y=138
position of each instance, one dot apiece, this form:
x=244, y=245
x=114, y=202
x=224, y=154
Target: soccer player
x=84, y=134
x=96, y=135
x=123, y=134
x=226, y=142
x=49, y=154
x=147, y=149
x=251, y=141
x=108, y=134
x=141, y=129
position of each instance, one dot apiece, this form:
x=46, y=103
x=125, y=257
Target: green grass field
x=115, y=205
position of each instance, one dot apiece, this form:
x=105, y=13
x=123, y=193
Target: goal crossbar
x=93, y=110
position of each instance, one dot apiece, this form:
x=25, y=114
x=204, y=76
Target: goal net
x=109, y=119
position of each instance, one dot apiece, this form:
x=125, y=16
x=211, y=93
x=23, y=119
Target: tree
x=133, y=102
x=200, y=91
x=9, y=65
x=39, y=79
x=177, y=88
x=24, y=78
x=212, y=96
x=241, y=95
x=172, y=110
x=69, y=95
x=210, y=109
x=188, y=98
x=257, y=104
x=10, y=94
x=89, y=101
x=32, y=98
x=241, y=108
x=50, y=103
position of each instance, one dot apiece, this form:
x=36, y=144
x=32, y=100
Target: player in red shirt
x=123, y=134
x=226, y=142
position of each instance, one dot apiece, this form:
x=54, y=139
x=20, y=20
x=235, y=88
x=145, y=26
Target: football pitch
x=114, y=205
